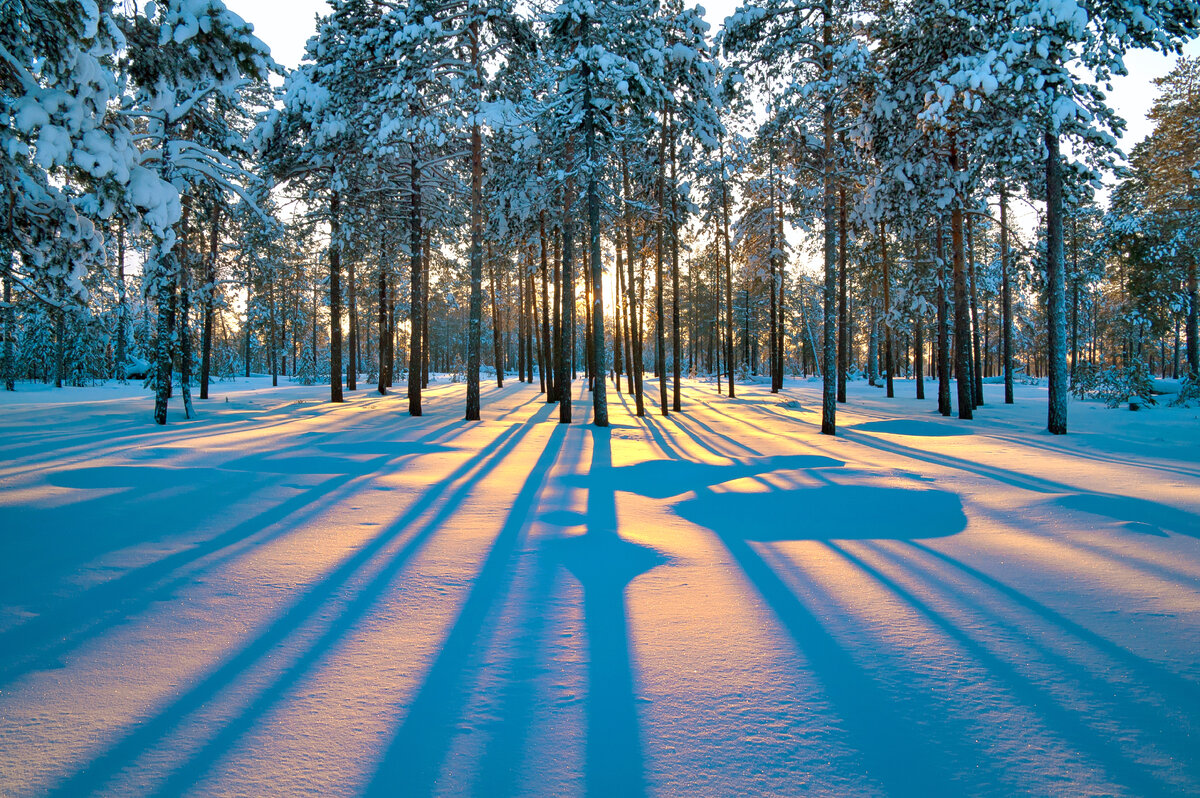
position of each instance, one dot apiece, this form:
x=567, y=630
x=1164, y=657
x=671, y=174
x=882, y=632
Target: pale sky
x=285, y=26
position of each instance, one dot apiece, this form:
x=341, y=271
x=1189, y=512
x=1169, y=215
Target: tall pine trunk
x=676, y=342
x=843, y=343
x=335, y=298
x=729, y=343
x=976, y=351
x=122, y=306
x=497, y=351
x=547, y=311
x=888, y=360
x=210, y=292
x=919, y=338
x=1056, y=352
x=475, y=321
x=829, y=346
x=599, y=394
x=381, y=320
x=962, y=318
x=566, y=332
x=1193, y=316
x=633, y=302
x=1006, y=325
x=660, y=360
x=943, y=325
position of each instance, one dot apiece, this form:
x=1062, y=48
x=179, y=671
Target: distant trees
x=588, y=188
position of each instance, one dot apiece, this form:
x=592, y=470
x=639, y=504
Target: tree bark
x=475, y=322
x=943, y=324
x=122, y=307
x=381, y=320
x=635, y=317
x=843, y=320
x=210, y=290
x=660, y=360
x=889, y=364
x=977, y=353
x=497, y=349
x=962, y=318
x=566, y=333
x=335, y=298
x=1056, y=354
x=676, y=341
x=599, y=386
x=729, y=344
x=829, y=379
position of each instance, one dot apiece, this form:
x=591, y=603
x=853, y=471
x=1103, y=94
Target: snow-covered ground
x=289, y=597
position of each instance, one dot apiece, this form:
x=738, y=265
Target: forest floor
x=287, y=597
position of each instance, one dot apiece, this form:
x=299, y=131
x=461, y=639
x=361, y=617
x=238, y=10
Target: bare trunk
x=888, y=361
x=843, y=364
x=829, y=387
x=497, y=350
x=566, y=334
x=962, y=318
x=1055, y=294
x=676, y=342
x=335, y=299
x=475, y=322
x=660, y=360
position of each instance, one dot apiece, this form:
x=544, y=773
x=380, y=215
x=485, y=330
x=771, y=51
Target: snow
x=285, y=596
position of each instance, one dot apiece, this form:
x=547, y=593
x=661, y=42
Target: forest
x=587, y=398
x=483, y=189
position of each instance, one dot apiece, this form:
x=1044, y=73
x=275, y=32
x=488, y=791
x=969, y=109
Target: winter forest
x=552, y=398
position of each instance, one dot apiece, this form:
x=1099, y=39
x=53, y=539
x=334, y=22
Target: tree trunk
x=962, y=318
x=497, y=350
x=273, y=350
x=165, y=275
x=660, y=360
x=633, y=302
x=918, y=362
x=676, y=341
x=943, y=323
x=1005, y=300
x=729, y=344
x=977, y=354
x=618, y=306
x=566, y=332
x=381, y=320
x=520, y=322
x=335, y=298
x=889, y=361
x=352, y=313
x=122, y=307
x=210, y=291
x=829, y=387
x=1055, y=294
x=475, y=322
x=1193, y=317
x=843, y=319
x=599, y=386
x=10, y=334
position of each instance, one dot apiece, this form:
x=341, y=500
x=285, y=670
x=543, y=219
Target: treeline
x=484, y=190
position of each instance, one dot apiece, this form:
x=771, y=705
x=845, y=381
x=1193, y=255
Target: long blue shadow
x=146, y=734
x=413, y=760
x=605, y=564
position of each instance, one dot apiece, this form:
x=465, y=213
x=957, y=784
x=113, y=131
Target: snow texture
x=287, y=597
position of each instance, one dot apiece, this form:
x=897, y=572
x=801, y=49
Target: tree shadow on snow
x=345, y=588
x=1136, y=515
x=828, y=512
x=920, y=428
